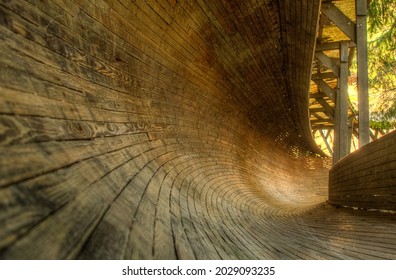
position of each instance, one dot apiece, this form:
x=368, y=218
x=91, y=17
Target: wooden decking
x=228, y=226
x=166, y=130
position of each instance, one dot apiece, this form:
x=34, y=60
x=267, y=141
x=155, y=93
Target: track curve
x=166, y=130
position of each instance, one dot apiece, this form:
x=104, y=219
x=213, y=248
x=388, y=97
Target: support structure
x=361, y=43
x=330, y=108
x=341, y=118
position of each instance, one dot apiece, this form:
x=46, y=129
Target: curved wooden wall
x=366, y=179
x=169, y=129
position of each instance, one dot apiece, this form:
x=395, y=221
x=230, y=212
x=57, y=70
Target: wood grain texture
x=166, y=130
x=366, y=179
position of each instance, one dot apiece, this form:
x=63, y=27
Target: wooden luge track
x=172, y=130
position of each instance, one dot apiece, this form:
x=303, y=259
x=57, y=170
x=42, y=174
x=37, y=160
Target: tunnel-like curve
x=166, y=129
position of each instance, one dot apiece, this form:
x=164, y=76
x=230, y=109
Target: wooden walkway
x=219, y=221
x=167, y=130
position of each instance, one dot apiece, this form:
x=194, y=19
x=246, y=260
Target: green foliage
x=381, y=13
x=381, y=125
x=382, y=61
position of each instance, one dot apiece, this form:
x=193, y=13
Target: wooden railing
x=366, y=179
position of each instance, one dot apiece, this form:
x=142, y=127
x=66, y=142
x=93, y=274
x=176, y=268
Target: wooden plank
x=341, y=110
x=343, y=99
x=78, y=219
x=362, y=83
x=57, y=189
x=22, y=162
x=30, y=129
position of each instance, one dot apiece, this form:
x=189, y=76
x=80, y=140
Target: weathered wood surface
x=366, y=178
x=164, y=130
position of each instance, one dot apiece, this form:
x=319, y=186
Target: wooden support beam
x=326, y=140
x=318, y=117
x=344, y=23
x=321, y=76
x=316, y=110
x=322, y=110
x=332, y=46
x=362, y=81
x=329, y=62
x=317, y=95
x=323, y=126
x=355, y=132
x=326, y=89
x=344, y=100
x=350, y=132
x=327, y=109
x=320, y=122
x=341, y=111
x=373, y=136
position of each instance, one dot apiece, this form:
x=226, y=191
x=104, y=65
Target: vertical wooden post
x=350, y=132
x=341, y=111
x=336, y=142
x=344, y=105
x=362, y=77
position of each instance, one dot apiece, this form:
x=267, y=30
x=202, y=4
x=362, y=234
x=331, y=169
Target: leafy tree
x=382, y=62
